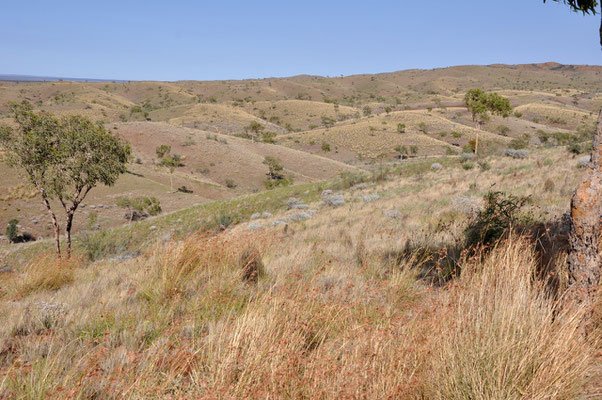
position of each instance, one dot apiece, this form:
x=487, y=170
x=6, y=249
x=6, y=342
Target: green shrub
x=401, y=128
x=499, y=215
x=12, y=232
x=325, y=147
x=230, y=184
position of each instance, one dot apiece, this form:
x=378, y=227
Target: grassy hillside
x=317, y=126
x=378, y=297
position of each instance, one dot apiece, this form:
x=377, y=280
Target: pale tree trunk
x=585, y=240
x=55, y=223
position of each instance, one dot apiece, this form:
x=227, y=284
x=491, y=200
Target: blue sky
x=206, y=40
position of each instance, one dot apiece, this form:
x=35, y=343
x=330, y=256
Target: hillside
x=317, y=126
x=354, y=299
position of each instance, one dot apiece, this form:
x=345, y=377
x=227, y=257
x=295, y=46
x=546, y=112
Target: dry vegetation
x=342, y=305
x=233, y=293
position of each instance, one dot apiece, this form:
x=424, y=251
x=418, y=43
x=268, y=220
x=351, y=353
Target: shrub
x=268, y=137
x=518, y=114
x=456, y=134
x=503, y=130
x=467, y=165
x=162, y=150
x=401, y=128
x=498, y=216
x=325, y=147
x=12, y=232
x=414, y=149
x=519, y=154
x=230, y=184
x=518, y=143
x=367, y=111
x=548, y=186
x=422, y=127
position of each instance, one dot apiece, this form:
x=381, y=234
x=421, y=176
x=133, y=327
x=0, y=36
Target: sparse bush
x=12, y=232
x=499, y=215
x=163, y=150
x=325, y=147
x=422, y=127
x=518, y=114
x=518, y=143
x=139, y=207
x=414, y=149
x=467, y=165
x=367, y=111
x=230, y=184
x=519, y=154
x=503, y=130
x=548, y=186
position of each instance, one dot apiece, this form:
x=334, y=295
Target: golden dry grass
x=334, y=315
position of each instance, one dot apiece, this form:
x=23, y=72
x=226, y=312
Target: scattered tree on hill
x=481, y=104
x=63, y=158
x=275, y=173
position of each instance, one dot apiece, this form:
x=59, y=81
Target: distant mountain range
x=33, y=78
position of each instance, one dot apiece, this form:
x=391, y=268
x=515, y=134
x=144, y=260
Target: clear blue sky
x=205, y=40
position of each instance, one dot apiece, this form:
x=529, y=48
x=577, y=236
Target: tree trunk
x=55, y=223
x=68, y=232
x=585, y=240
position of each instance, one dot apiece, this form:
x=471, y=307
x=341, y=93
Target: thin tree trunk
x=585, y=239
x=55, y=223
x=68, y=232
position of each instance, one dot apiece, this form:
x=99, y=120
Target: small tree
x=63, y=158
x=162, y=150
x=12, y=232
x=275, y=168
x=482, y=104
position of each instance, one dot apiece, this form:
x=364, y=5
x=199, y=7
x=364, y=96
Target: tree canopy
x=481, y=104
x=63, y=158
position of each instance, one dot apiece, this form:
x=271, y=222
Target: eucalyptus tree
x=63, y=158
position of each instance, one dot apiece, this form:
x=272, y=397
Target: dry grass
x=179, y=322
x=47, y=273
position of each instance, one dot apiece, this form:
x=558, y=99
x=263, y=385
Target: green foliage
x=162, y=150
x=12, y=232
x=414, y=149
x=401, y=128
x=518, y=143
x=325, y=147
x=401, y=149
x=275, y=168
x=268, y=137
x=230, y=184
x=367, y=111
x=498, y=216
x=150, y=205
x=254, y=127
x=63, y=158
x=585, y=6
x=422, y=127
x=481, y=104
x=171, y=161
x=503, y=130
x=327, y=121
x=388, y=109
